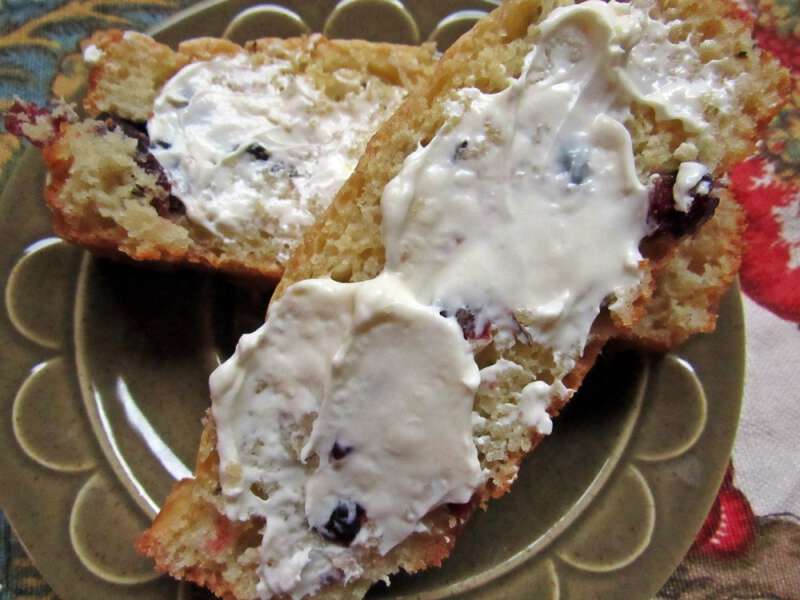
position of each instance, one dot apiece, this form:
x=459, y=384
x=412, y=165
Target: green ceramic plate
x=104, y=380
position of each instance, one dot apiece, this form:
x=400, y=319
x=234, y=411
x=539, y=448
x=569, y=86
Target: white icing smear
x=381, y=373
x=257, y=148
x=688, y=180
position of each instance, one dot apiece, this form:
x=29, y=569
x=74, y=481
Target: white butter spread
x=534, y=401
x=256, y=147
x=92, y=54
x=689, y=180
x=526, y=206
x=377, y=374
x=531, y=403
x=669, y=76
x=351, y=410
x=491, y=374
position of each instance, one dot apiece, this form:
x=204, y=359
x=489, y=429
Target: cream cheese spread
x=690, y=179
x=526, y=206
x=258, y=147
x=349, y=415
x=668, y=75
x=92, y=54
x=531, y=403
x=373, y=374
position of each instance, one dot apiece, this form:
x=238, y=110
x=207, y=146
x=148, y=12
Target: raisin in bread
x=109, y=192
x=685, y=267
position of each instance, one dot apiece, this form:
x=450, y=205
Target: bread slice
x=108, y=192
x=192, y=540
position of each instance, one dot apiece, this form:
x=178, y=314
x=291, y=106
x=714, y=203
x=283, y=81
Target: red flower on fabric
x=785, y=48
x=770, y=272
x=729, y=528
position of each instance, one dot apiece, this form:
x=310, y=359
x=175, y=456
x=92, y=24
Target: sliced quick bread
x=194, y=539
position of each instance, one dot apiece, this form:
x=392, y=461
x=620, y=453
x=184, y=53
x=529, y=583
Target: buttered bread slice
x=214, y=154
x=506, y=222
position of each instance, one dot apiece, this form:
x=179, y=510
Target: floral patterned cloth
x=749, y=546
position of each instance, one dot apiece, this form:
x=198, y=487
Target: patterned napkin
x=749, y=546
